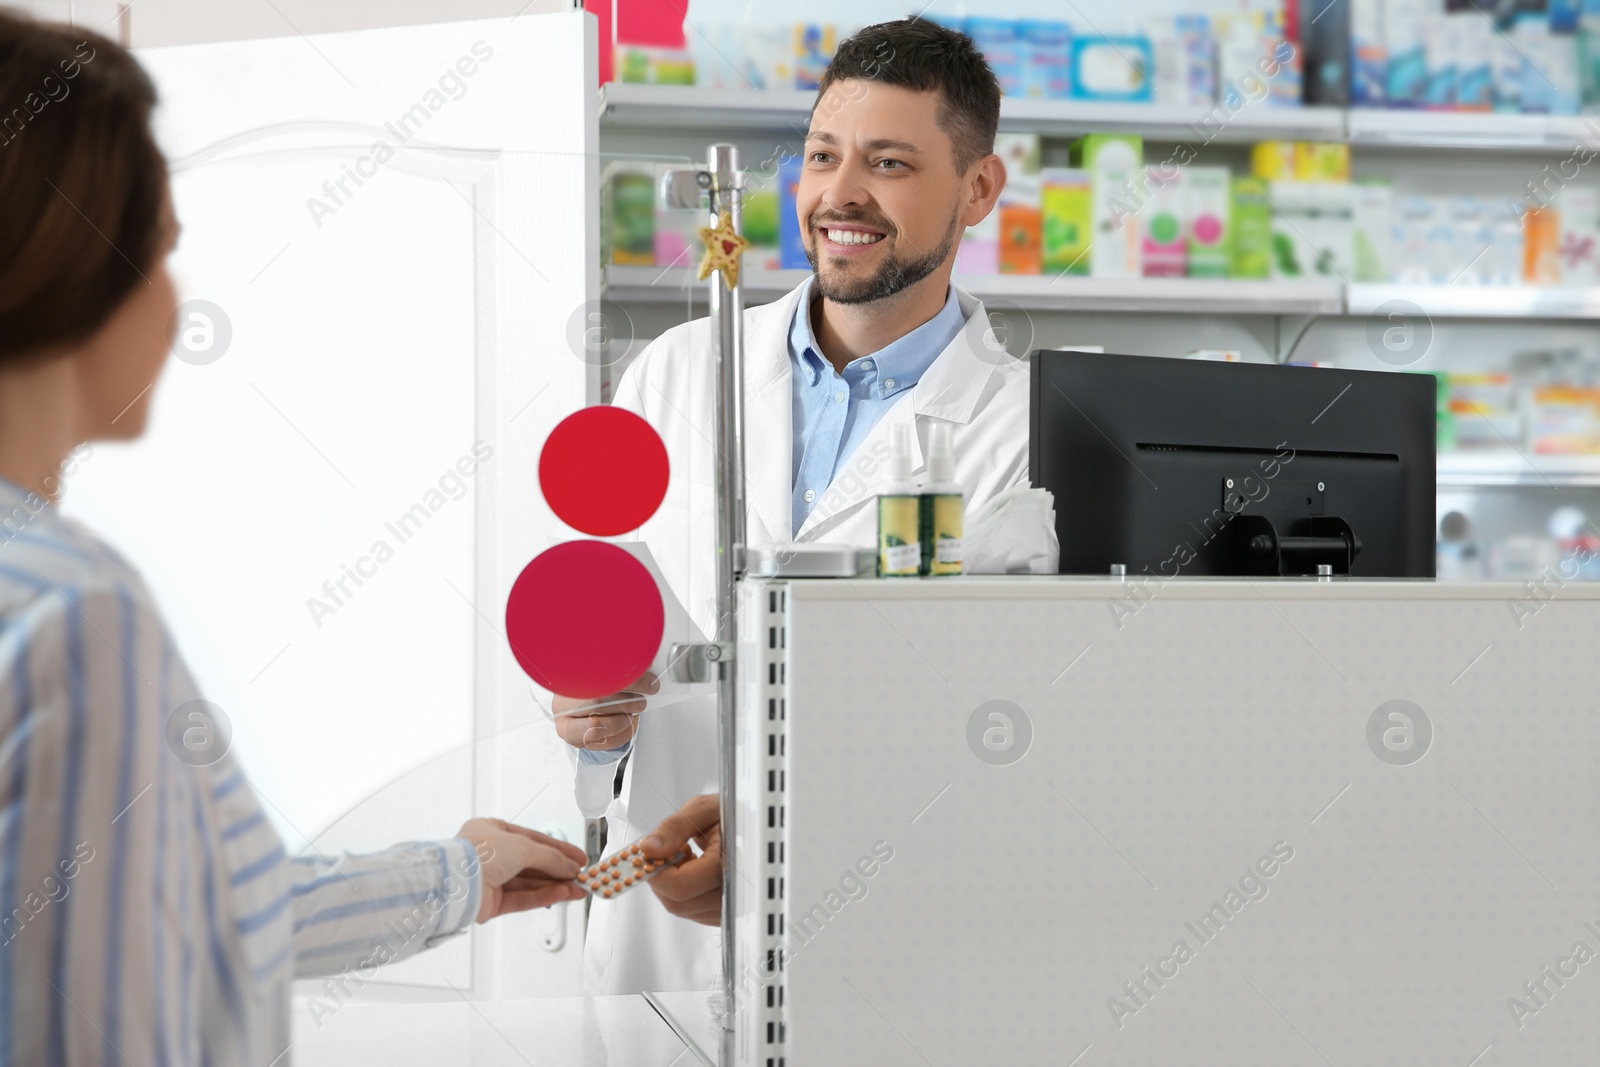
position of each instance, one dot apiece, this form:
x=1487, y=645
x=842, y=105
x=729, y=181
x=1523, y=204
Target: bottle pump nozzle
x=900, y=464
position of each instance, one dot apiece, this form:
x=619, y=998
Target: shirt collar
x=902, y=361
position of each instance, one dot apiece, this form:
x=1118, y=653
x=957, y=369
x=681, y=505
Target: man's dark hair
x=925, y=56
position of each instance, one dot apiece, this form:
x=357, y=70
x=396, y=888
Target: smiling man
x=899, y=160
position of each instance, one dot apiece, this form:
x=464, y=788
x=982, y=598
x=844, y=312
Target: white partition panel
x=392, y=230
x=1212, y=822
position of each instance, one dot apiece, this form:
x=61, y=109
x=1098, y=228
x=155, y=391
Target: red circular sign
x=584, y=619
x=603, y=470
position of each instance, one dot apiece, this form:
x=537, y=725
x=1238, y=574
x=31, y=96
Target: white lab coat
x=633, y=945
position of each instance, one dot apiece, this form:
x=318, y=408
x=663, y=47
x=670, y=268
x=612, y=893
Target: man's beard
x=893, y=275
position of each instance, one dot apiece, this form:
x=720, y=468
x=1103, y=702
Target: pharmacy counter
x=622, y=1031
x=1084, y=821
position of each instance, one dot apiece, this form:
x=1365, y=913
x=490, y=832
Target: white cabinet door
x=390, y=232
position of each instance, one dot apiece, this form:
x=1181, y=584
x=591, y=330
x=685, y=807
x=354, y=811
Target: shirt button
x=888, y=383
x=838, y=398
x=866, y=364
x=811, y=494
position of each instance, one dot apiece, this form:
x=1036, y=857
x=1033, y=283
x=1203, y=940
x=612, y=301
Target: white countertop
x=622, y=1031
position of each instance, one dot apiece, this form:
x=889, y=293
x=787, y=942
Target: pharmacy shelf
x=1482, y=131
x=688, y=107
x=1479, y=301
x=1468, y=469
x=1029, y=292
x=1256, y=121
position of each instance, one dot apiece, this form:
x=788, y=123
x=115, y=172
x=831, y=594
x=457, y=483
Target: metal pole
x=727, y=317
x=687, y=188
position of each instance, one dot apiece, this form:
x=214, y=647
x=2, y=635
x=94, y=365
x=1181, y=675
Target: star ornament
x=723, y=247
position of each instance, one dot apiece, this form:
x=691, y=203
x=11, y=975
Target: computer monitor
x=1174, y=467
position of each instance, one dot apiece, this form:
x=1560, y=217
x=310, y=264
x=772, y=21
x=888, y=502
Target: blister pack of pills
x=625, y=869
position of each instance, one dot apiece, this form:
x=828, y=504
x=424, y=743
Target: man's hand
x=608, y=722
x=692, y=889
x=522, y=868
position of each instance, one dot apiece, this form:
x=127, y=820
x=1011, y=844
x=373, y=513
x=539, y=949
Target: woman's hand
x=522, y=868
x=607, y=722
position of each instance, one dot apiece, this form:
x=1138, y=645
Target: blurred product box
x=1209, y=199
x=1019, y=207
x=1373, y=236
x=714, y=49
x=1067, y=224
x=1482, y=412
x=1312, y=230
x=1578, y=208
x=1112, y=69
x=998, y=41
x=791, y=246
x=1508, y=64
x=1503, y=262
x=1327, y=38
x=1446, y=433
x=1046, y=59
x=1565, y=14
x=1442, y=39
x=1460, y=561
x=1315, y=161
x=1413, y=229
x=1021, y=224
x=1492, y=392
x=979, y=250
x=761, y=227
x=1474, y=61
x=1272, y=161
x=1251, y=253
x=1564, y=420
x=1520, y=558
x=1541, y=255
x=1240, y=42
x=1530, y=32
x=1167, y=64
x=1442, y=47
x=1462, y=263
x=1369, y=53
x=1019, y=152
x=1165, y=210
x=1589, y=64
x=1199, y=59
x=1563, y=74
x=1280, y=62
x=814, y=44
x=654, y=66
x=628, y=214
x=1405, y=31
x=1115, y=163
x=765, y=57
x=1447, y=252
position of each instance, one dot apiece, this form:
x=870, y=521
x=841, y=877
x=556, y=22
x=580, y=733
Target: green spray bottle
x=943, y=508
x=899, y=514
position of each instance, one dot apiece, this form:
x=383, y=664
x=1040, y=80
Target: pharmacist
x=898, y=162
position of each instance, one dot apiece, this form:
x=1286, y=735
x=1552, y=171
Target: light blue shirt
x=833, y=412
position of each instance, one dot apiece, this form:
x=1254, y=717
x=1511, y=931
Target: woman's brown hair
x=82, y=184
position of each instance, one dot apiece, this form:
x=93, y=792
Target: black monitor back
x=1139, y=452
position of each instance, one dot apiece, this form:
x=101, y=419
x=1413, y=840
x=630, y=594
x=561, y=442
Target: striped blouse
x=148, y=912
